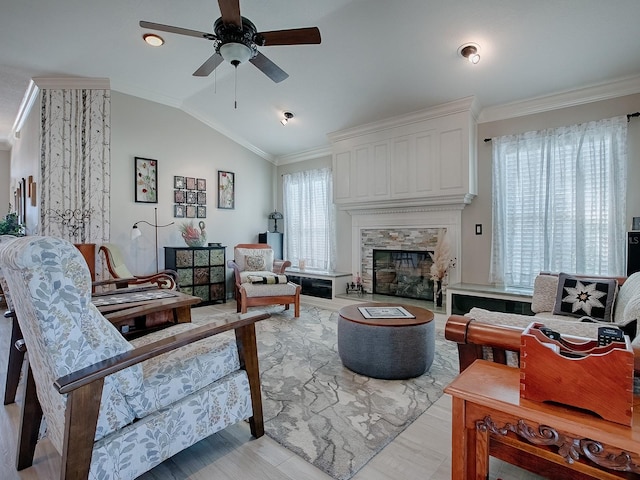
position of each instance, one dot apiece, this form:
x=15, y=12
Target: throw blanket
x=270, y=279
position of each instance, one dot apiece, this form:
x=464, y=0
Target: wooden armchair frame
x=279, y=267
x=163, y=279
x=84, y=389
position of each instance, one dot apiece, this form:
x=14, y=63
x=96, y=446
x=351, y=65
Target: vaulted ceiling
x=377, y=59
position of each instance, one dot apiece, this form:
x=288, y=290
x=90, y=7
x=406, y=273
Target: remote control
x=552, y=334
x=606, y=335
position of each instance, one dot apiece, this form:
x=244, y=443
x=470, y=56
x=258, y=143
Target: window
x=559, y=200
x=309, y=218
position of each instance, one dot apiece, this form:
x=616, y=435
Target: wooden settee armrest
x=84, y=376
x=471, y=336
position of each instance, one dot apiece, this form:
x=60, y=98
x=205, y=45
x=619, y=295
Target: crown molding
x=569, y=98
x=76, y=83
x=28, y=99
x=467, y=104
x=304, y=155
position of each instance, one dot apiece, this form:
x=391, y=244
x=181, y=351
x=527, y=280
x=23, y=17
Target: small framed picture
x=178, y=182
x=226, y=190
x=636, y=223
x=179, y=196
x=146, y=180
x=191, y=183
x=202, y=198
x=202, y=184
x=192, y=196
x=191, y=211
x=202, y=211
x=178, y=211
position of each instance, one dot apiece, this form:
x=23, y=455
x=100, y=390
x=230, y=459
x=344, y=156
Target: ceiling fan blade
x=208, y=66
x=269, y=68
x=293, y=36
x=230, y=12
x=178, y=30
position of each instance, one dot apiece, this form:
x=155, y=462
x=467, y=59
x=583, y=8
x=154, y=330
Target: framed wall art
x=146, y=180
x=179, y=182
x=226, y=190
x=191, y=211
x=178, y=211
x=201, y=184
x=179, y=196
x=191, y=183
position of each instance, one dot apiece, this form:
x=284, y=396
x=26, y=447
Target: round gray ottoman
x=386, y=348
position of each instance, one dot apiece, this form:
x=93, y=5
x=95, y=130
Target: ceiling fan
x=236, y=40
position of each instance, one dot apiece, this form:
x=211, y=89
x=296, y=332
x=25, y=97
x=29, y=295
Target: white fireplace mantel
x=407, y=218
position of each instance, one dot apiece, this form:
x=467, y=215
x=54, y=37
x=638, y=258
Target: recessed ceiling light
x=153, y=39
x=285, y=119
x=470, y=52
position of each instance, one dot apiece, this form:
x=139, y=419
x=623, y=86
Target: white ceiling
x=377, y=59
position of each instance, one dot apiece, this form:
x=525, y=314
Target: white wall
x=182, y=146
x=5, y=182
x=25, y=161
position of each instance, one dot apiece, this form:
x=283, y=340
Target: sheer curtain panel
x=309, y=218
x=559, y=200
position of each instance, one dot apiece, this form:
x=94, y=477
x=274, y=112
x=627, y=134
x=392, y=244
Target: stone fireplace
x=403, y=273
x=407, y=235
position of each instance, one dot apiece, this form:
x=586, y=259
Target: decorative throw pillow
x=240, y=254
x=269, y=279
x=544, y=293
x=579, y=297
x=254, y=263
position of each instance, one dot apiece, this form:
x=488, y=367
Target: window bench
x=319, y=283
x=461, y=297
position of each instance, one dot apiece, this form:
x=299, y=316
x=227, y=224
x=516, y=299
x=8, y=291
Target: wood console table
x=554, y=441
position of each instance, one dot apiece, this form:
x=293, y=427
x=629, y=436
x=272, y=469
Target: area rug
x=333, y=418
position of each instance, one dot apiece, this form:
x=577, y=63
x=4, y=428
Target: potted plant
x=10, y=225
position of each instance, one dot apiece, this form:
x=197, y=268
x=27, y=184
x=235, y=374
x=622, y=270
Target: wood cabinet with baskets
x=201, y=271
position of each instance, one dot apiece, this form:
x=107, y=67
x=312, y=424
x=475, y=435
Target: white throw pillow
x=545, y=288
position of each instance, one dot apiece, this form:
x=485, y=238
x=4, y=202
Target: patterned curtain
x=75, y=164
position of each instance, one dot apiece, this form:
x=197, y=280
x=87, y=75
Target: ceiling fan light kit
x=470, y=52
x=235, y=53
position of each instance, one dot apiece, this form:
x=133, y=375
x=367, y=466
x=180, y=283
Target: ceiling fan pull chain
x=235, y=93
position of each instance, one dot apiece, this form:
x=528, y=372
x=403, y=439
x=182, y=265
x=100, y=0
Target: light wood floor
x=422, y=451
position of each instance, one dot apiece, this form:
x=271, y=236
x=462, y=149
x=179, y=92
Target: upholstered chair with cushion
x=16, y=357
x=119, y=271
x=260, y=280
x=115, y=409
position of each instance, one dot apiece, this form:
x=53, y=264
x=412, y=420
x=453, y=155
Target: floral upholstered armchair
x=260, y=280
x=113, y=408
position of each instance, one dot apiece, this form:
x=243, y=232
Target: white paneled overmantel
x=427, y=158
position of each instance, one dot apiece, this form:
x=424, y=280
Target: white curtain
x=559, y=200
x=309, y=218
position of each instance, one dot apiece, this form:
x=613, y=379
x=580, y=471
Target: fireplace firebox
x=403, y=273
